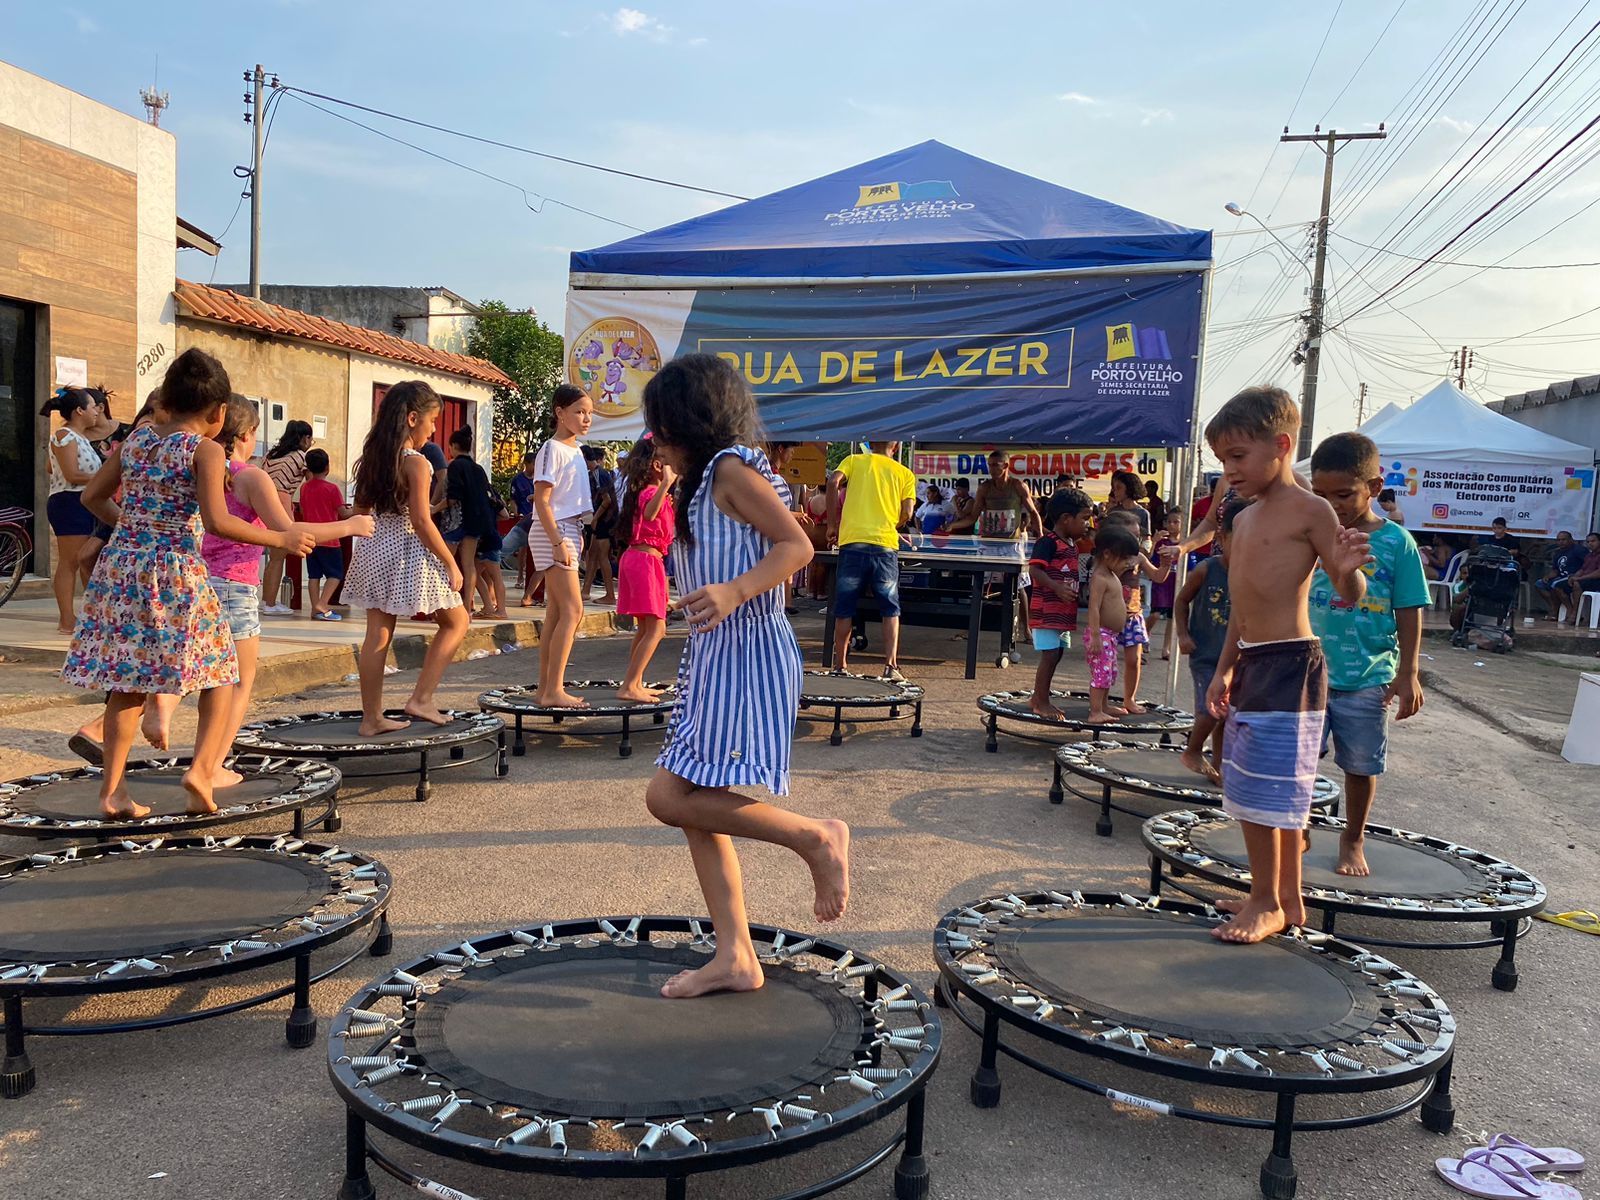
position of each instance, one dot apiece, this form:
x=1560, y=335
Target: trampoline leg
x=333, y=822
x=992, y=745
x=916, y=720
x=16, y=1072
x=384, y=941
x=1438, y=1110
x=1504, y=976
x=519, y=746
x=301, y=1028
x=911, y=1173
x=940, y=999
x=357, y=1183
x=424, y=785
x=677, y=1187
x=1328, y=920
x=502, y=768
x=1103, y=825
x=985, y=1088
x=1057, y=796
x=1155, y=875
x=625, y=747
x=298, y=827
x=1278, y=1178
x=836, y=738
x=457, y=753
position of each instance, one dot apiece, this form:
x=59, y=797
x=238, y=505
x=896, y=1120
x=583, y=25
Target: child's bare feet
x=154, y=729
x=1043, y=708
x=830, y=870
x=1197, y=762
x=1352, y=854
x=1132, y=706
x=1253, y=920
x=495, y=614
x=226, y=777
x=426, y=712
x=1103, y=718
x=119, y=806
x=639, y=695
x=716, y=976
x=560, y=698
x=381, y=724
x=199, y=790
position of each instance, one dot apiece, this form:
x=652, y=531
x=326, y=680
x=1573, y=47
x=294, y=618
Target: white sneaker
x=276, y=610
x=892, y=675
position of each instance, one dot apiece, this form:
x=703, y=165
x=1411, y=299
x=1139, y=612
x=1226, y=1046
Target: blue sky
x=1172, y=108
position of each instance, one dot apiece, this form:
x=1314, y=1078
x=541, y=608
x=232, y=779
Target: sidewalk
x=296, y=652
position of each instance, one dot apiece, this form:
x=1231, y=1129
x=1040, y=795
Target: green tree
x=532, y=354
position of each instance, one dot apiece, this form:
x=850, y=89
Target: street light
x=1235, y=209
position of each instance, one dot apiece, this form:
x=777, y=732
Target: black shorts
x=67, y=515
x=325, y=562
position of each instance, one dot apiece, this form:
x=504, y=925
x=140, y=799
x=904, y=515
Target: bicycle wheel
x=14, y=551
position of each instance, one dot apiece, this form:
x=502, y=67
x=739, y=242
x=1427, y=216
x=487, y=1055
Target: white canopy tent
x=1449, y=425
x=1381, y=418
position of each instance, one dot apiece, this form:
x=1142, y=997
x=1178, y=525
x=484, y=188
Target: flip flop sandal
x=1580, y=919
x=1536, y=1158
x=1492, y=1175
x=86, y=748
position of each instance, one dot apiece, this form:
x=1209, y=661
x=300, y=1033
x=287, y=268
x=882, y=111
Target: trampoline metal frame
x=886, y=1091
x=504, y=700
x=1426, y=1075
x=1171, y=857
x=319, y=783
x=1077, y=757
x=1178, y=721
x=908, y=695
x=482, y=728
x=365, y=883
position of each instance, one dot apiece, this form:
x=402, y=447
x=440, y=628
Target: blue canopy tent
x=925, y=295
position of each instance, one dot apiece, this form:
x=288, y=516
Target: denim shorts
x=241, y=605
x=1358, y=727
x=1203, y=673
x=865, y=569
x=1045, y=640
x=515, y=542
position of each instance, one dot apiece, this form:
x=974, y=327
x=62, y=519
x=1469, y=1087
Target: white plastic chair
x=1592, y=599
x=1446, y=585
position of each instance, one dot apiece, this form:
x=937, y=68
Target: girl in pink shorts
x=646, y=527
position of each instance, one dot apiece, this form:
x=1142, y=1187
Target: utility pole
x=1361, y=407
x=257, y=80
x=1328, y=143
x=1459, y=362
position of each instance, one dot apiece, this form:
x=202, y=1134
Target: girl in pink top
x=645, y=528
x=235, y=567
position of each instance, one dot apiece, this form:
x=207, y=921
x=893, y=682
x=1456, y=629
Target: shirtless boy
x=1002, y=492
x=1116, y=549
x=1271, y=684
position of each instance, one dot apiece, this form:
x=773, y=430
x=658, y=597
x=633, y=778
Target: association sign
x=1536, y=500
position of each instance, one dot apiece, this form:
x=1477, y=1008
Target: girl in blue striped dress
x=739, y=680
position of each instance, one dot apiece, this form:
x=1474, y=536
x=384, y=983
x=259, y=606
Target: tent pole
x=1189, y=471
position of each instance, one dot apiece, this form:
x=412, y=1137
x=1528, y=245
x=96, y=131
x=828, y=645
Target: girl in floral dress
x=151, y=622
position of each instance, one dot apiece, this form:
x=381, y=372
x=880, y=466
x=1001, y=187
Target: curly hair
x=699, y=405
x=380, y=481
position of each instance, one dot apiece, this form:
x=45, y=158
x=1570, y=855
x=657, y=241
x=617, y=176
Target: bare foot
x=381, y=725
x=226, y=777
x=715, y=976
x=1116, y=710
x=830, y=870
x=561, y=698
x=154, y=731
x=426, y=712
x=1352, y=856
x=73, y=629
x=1294, y=910
x=1197, y=762
x=119, y=806
x=1043, y=708
x=1132, y=706
x=639, y=695
x=1103, y=718
x=525, y=602
x=200, y=801
x=498, y=614
x=1253, y=921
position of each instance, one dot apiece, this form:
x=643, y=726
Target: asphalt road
x=224, y=1109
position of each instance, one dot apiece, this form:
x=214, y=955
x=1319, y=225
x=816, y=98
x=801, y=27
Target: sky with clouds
x=1168, y=107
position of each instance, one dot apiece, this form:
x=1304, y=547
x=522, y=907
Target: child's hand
x=297, y=540
x=1408, y=690
x=360, y=526
x=560, y=554
x=1169, y=551
x=709, y=606
x=1352, y=551
x=456, y=577
x=1217, y=696
x=1186, y=643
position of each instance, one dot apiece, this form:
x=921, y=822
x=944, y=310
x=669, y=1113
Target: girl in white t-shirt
x=560, y=500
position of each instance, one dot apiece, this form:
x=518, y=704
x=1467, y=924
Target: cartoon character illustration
x=591, y=351
x=629, y=355
x=613, y=387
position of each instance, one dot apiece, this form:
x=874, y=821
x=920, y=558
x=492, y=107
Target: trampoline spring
x=396, y=989
x=1130, y=901
x=418, y=1104
x=1345, y=1062
x=33, y=971
x=1044, y=1012
x=250, y=944
x=859, y=971
x=699, y=937
x=449, y=1109
x=558, y=1136
x=335, y=856
x=365, y=871
x=1320, y=1060
x=49, y=860
x=879, y=1074
x=403, y=977
x=897, y=1006
x=531, y=1130
x=902, y=1043
x=366, y=1030
x=1017, y=902
x=902, y=992
x=679, y=1132
x=861, y=1083
x=1405, y=988
x=1397, y=1049
x=1244, y=1060
x=365, y=1014
x=799, y=948
x=975, y=968
x=1521, y=887
x=986, y=978
x=310, y=926
x=971, y=922
x=1058, y=898
x=393, y=1071
x=653, y=1133
x=1407, y=1044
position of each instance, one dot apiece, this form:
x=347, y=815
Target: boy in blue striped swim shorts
x=1271, y=684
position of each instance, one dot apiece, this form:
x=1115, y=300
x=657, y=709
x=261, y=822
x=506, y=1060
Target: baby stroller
x=1492, y=585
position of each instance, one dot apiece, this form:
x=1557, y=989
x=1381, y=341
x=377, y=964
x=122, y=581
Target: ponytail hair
x=238, y=419
x=380, y=481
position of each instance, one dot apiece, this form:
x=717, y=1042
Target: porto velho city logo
x=1138, y=362
x=899, y=200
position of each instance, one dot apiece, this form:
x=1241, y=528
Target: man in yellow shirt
x=880, y=496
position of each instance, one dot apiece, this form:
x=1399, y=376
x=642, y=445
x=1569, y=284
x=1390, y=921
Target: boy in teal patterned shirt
x=1371, y=647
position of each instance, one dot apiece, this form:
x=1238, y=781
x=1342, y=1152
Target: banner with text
x=1096, y=361
x=1452, y=497
x=1038, y=466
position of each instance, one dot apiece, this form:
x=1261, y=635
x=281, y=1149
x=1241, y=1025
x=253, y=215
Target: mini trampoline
x=840, y=690
x=419, y=749
x=206, y=908
x=601, y=695
x=1153, y=772
x=549, y=1049
x=1414, y=878
x=66, y=804
x=1008, y=713
x=1142, y=984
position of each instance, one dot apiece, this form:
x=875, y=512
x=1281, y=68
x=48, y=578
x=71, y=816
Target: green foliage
x=531, y=353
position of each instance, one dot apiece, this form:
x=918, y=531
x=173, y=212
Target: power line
x=472, y=137
x=1494, y=266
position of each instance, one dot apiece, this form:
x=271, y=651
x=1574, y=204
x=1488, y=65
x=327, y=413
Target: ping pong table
x=952, y=555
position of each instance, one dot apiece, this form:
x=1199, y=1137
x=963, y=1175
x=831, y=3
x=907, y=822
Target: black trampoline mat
x=1153, y=765
x=851, y=687
x=592, y=1036
x=601, y=698
x=346, y=731
x=1171, y=976
x=1076, y=709
x=1399, y=869
x=160, y=790
x=141, y=905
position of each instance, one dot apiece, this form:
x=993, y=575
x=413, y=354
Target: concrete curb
x=1495, y=715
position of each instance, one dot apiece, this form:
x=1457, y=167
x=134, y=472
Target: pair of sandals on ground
x=1507, y=1168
